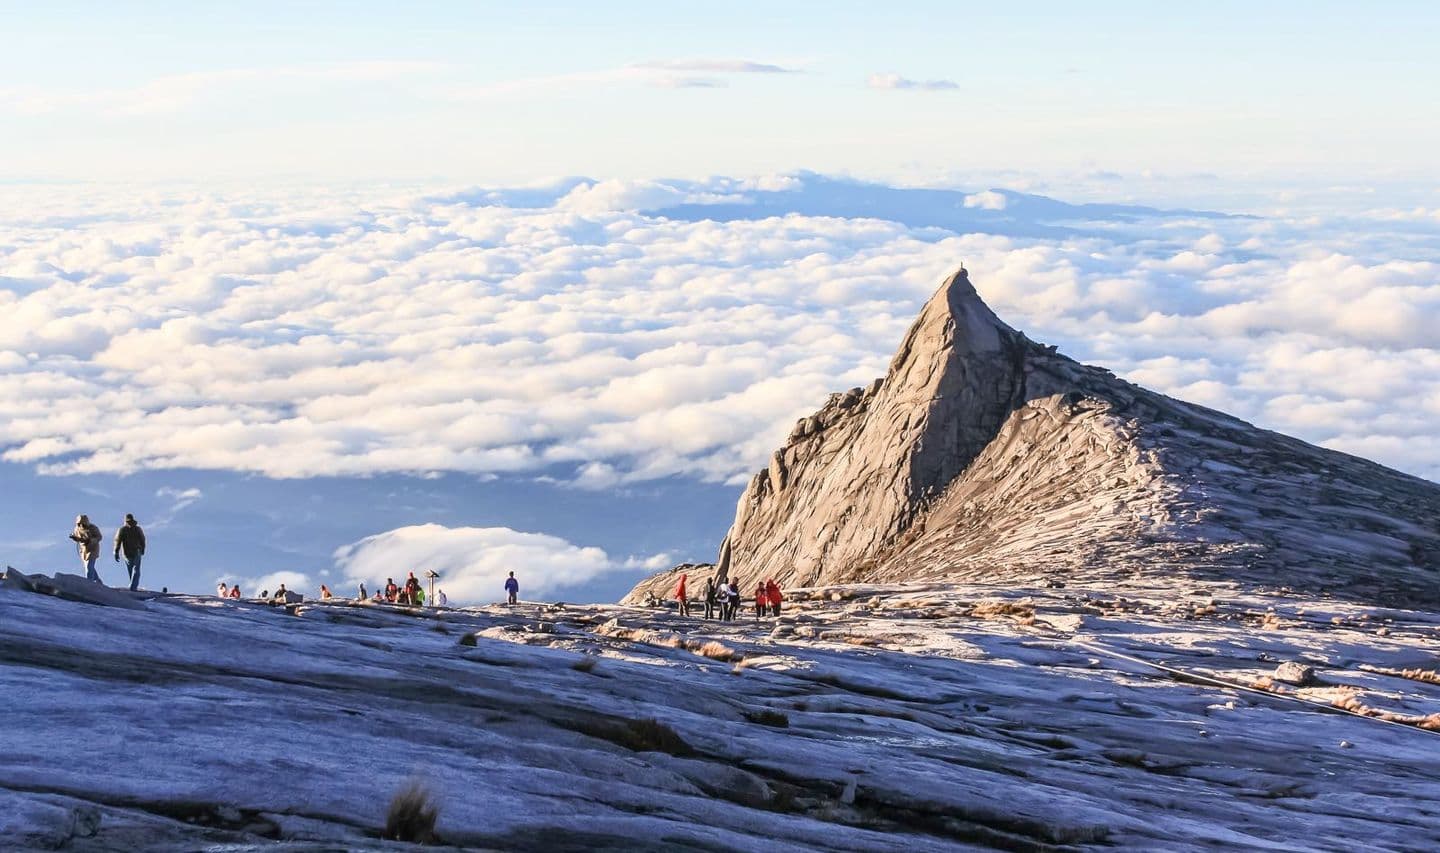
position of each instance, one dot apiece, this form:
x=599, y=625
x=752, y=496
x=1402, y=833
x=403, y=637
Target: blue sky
x=506, y=93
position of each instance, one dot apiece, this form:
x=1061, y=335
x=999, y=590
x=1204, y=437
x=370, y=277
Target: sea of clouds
x=579, y=334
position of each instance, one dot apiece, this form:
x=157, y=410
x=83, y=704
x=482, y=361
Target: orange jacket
x=772, y=591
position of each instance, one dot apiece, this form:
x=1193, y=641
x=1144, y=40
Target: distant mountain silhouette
x=1022, y=215
x=1010, y=213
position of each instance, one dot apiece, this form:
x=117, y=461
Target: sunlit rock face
x=984, y=455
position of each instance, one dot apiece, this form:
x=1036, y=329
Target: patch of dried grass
x=1428, y=676
x=716, y=651
x=997, y=607
x=412, y=814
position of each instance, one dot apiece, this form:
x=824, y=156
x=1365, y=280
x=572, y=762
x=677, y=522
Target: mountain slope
x=984, y=455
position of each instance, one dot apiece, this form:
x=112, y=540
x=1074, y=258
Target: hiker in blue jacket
x=512, y=587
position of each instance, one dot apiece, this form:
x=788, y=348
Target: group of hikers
x=410, y=594
x=723, y=599
x=129, y=539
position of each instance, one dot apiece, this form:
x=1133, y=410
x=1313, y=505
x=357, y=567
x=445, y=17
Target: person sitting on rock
x=772, y=593
x=87, y=537
x=235, y=591
x=762, y=600
x=264, y=594
x=282, y=595
x=325, y=593
x=222, y=589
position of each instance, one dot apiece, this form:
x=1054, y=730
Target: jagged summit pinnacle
x=957, y=317
x=984, y=455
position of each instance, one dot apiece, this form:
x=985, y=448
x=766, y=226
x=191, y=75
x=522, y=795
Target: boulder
x=72, y=588
x=16, y=579
x=1294, y=673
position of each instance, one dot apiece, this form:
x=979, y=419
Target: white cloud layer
x=350, y=333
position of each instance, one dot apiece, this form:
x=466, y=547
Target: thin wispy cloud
x=895, y=81
x=660, y=73
x=717, y=66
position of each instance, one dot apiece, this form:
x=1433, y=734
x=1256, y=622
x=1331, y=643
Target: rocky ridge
x=983, y=455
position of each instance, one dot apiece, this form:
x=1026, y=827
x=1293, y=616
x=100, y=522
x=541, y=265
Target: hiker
x=131, y=539
x=772, y=592
x=391, y=590
x=363, y=596
x=682, y=597
x=709, y=598
x=87, y=539
x=512, y=589
x=762, y=600
x=418, y=597
x=734, y=599
x=235, y=592
x=440, y=599
x=412, y=594
x=282, y=595
x=222, y=590
x=325, y=593
x=264, y=594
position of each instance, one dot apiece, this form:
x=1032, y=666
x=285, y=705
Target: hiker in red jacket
x=761, y=599
x=772, y=592
x=681, y=597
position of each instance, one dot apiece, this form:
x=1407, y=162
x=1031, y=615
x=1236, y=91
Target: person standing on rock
x=772, y=593
x=441, y=599
x=512, y=589
x=682, y=597
x=709, y=598
x=733, y=600
x=87, y=538
x=762, y=600
x=130, y=538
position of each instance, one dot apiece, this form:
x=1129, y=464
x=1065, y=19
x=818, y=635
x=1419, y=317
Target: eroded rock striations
x=982, y=455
